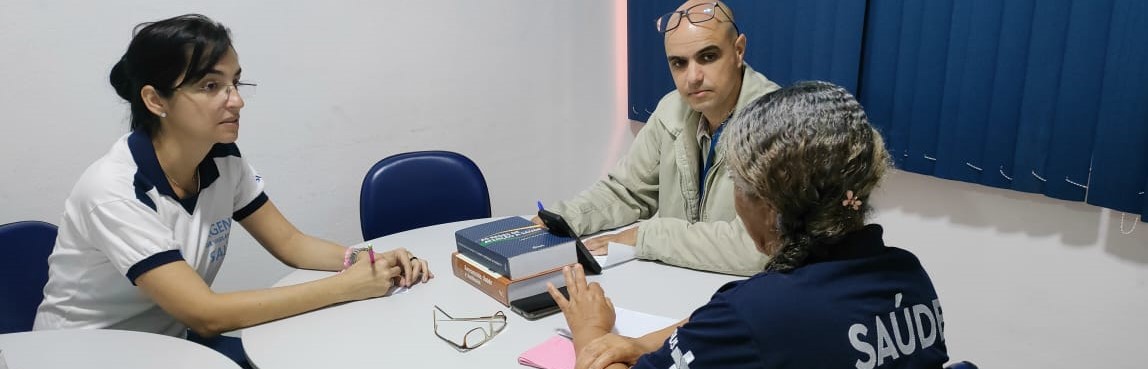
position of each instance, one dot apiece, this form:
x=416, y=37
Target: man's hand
x=598, y=245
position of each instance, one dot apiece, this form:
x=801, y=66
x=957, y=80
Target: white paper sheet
x=617, y=253
x=631, y=323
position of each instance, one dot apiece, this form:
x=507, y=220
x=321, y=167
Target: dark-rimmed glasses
x=471, y=335
x=695, y=14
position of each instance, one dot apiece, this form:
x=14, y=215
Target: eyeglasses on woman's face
x=216, y=91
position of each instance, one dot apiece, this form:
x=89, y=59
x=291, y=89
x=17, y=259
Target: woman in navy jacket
x=804, y=161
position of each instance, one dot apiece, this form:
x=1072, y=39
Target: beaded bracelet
x=351, y=255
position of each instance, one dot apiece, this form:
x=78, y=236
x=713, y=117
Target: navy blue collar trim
x=150, y=174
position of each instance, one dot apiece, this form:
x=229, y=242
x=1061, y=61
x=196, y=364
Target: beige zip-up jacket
x=658, y=180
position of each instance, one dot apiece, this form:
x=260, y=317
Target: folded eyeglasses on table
x=465, y=334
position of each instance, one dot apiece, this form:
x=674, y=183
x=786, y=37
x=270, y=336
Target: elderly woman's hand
x=588, y=310
x=610, y=349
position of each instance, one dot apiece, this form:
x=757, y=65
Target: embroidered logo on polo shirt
x=217, y=240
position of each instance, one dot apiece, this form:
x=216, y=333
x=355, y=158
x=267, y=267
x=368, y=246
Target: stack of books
x=511, y=258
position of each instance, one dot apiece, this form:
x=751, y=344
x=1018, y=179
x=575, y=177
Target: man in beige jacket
x=665, y=177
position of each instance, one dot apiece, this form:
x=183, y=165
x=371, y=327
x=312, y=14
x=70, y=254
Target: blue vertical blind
x=787, y=41
x=1043, y=96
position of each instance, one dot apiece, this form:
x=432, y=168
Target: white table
x=397, y=331
x=106, y=348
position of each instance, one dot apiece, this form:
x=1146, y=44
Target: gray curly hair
x=801, y=149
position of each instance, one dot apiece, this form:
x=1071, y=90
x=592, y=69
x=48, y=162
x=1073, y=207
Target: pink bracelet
x=348, y=257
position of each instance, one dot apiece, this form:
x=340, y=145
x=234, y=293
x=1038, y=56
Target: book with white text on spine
x=499, y=287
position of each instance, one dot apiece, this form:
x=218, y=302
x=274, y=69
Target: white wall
x=524, y=88
x=1026, y=281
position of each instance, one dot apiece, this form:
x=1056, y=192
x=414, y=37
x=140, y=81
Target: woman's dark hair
x=162, y=52
x=802, y=150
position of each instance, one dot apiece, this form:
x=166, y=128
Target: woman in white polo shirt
x=146, y=227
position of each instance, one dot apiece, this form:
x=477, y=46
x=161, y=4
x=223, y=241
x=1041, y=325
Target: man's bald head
x=705, y=58
x=723, y=16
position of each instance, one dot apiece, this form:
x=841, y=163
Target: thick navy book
x=515, y=247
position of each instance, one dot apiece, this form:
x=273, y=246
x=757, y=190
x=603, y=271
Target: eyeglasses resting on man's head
x=467, y=333
x=695, y=14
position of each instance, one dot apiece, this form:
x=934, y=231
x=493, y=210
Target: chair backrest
x=25, y=247
x=418, y=189
x=961, y=365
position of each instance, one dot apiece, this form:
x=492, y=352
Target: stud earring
x=163, y=115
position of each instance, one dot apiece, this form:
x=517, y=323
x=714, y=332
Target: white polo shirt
x=123, y=219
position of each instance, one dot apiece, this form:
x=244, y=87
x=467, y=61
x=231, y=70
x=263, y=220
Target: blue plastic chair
x=23, y=272
x=419, y=189
x=961, y=365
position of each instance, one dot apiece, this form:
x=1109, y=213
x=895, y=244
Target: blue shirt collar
x=143, y=152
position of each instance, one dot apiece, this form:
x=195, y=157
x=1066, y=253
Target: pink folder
x=556, y=353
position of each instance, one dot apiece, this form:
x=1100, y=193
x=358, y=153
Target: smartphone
x=558, y=226
x=537, y=306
